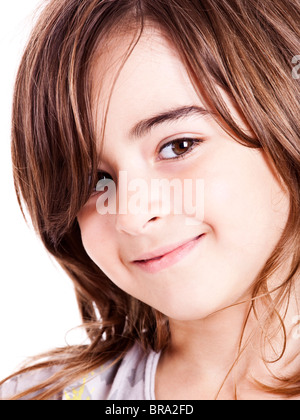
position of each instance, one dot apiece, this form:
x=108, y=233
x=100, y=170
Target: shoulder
x=123, y=380
x=21, y=383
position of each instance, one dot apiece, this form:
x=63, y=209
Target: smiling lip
x=155, y=262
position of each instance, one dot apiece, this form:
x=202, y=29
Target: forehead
x=131, y=87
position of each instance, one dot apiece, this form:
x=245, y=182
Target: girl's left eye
x=178, y=148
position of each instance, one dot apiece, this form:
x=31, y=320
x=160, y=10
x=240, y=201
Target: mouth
x=157, y=261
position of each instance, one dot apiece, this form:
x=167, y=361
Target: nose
x=134, y=225
x=139, y=207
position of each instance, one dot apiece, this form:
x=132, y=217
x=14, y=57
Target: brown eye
x=178, y=148
x=182, y=146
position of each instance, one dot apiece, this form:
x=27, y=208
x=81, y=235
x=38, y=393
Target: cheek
x=96, y=233
x=245, y=205
x=101, y=244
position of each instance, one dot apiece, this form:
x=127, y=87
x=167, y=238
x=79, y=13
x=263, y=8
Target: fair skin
x=245, y=211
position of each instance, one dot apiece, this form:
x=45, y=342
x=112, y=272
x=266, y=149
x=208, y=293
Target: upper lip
x=164, y=250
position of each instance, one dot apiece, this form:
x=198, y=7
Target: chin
x=188, y=313
x=199, y=305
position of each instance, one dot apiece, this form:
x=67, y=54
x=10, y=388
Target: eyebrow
x=143, y=127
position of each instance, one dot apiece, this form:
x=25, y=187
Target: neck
x=204, y=341
x=203, y=356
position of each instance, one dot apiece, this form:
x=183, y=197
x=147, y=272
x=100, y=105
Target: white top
x=133, y=378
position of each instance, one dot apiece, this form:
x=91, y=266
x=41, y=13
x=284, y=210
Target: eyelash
x=195, y=142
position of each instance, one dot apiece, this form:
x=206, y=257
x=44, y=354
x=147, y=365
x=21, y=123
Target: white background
x=37, y=300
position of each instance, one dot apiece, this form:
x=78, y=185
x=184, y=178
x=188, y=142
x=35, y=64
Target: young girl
x=112, y=95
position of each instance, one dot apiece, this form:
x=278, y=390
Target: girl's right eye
x=101, y=176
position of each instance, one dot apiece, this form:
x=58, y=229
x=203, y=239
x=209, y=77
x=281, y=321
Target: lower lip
x=157, y=264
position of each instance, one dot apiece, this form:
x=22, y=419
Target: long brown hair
x=245, y=47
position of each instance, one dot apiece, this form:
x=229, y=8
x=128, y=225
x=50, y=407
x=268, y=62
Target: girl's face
x=158, y=129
